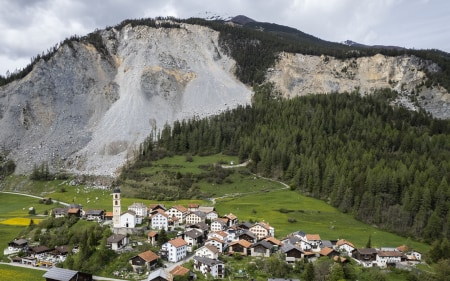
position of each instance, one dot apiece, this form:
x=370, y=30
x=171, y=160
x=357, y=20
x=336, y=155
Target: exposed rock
x=297, y=74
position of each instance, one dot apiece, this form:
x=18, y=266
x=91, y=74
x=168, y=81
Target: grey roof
x=249, y=233
x=194, y=233
x=327, y=243
x=200, y=225
x=116, y=190
x=288, y=247
x=95, y=212
x=293, y=240
x=58, y=211
x=200, y=214
x=263, y=243
x=19, y=242
x=207, y=261
x=60, y=274
x=245, y=225
x=205, y=209
x=115, y=238
x=281, y=279
x=158, y=273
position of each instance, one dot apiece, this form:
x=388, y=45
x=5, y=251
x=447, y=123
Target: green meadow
x=11, y=273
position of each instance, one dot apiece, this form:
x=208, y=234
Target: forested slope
x=386, y=165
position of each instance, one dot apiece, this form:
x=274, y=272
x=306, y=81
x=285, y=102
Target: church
x=127, y=219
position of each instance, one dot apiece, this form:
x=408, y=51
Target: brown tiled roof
x=179, y=270
x=115, y=238
x=180, y=208
x=402, y=248
x=178, y=242
x=193, y=205
x=40, y=249
x=313, y=237
x=222, y=233
x=109, y=214
x=212, y=248
x=216, y=239
x=73, y=210
x=273, y=240
x=148, y=256
x=326, y=251
x=152, y=233
x=231, y=216
x=341, y=242
x=161, y=212
x=243, y=243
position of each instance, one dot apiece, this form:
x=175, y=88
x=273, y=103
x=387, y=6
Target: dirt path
x=34, y=196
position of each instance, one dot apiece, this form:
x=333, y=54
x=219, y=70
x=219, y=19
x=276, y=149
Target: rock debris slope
x=86, y=112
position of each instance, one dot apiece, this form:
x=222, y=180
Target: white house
x=218, y=225
x=177, y=211
x=212, y=266
x=139, y=209
x=175, y=249
x=216, y=242
x=208, y=251
x=117, y=241
x=211, y=215
x=314, y=240
x=343, y=245
x=384, y=258
x=193, y=237
x=195, y=217
x=262, y=229
x=159, y=220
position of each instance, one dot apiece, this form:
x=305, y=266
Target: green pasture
x=13, y=273
x=309, y=215
x=178, y=163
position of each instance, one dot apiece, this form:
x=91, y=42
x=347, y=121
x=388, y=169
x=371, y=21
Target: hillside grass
x=13, y=273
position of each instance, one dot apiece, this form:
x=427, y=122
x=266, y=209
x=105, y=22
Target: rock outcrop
x=296, y=75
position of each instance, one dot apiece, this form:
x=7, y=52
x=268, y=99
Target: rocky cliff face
x=296, y=75
x=86, y=113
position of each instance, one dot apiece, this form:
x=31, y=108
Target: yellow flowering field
x=19, y=221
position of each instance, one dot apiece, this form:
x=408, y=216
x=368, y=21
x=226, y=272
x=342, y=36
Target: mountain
x=87, y=106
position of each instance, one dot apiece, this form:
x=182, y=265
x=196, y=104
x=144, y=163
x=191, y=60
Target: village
x=201, y=235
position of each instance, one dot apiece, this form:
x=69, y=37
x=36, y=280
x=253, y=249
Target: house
x=177, y=211
x=39, y=252
x=76, y=212
x=60, y=253
x=386, y=258
x=195, y=217
x=159, y=220
x=152, y=237
x=328, y=252
x=59, y=212
x=218, y=225
x=203, y=226
x=262, y=230
x=159, y=275
x=61, y=274
x=242, y=247
x=291, y=252
x=365, y=256
x=209, y=266
x=174, y=222
x=216, y=242
x=193, y=207
x=139, y=209
x=117, y=241
x=261, y=249
x=206, y=209
x=211, y=215
x=313, y=239
x=128, y=219
x=230, y=219
x=310, y=256
x=146, y=260
x=345, y=246
x=244, y=225
x=175, y=249
x=248, y=236
x=208, y=251
x=413, y=256
x=193, y=237
x=109, y=216
x=219, y=234
x=17, y=245
x=98, y=215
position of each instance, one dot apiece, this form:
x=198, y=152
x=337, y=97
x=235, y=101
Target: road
x=34, y=196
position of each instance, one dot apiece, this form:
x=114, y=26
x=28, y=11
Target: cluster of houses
x=203, y=235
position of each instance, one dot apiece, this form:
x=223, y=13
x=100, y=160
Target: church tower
x=116, y=207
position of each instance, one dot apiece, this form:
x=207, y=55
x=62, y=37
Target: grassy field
x=12, y=273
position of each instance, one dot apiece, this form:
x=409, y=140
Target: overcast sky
x=29, y=27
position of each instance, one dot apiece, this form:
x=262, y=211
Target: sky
x=30, y=27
